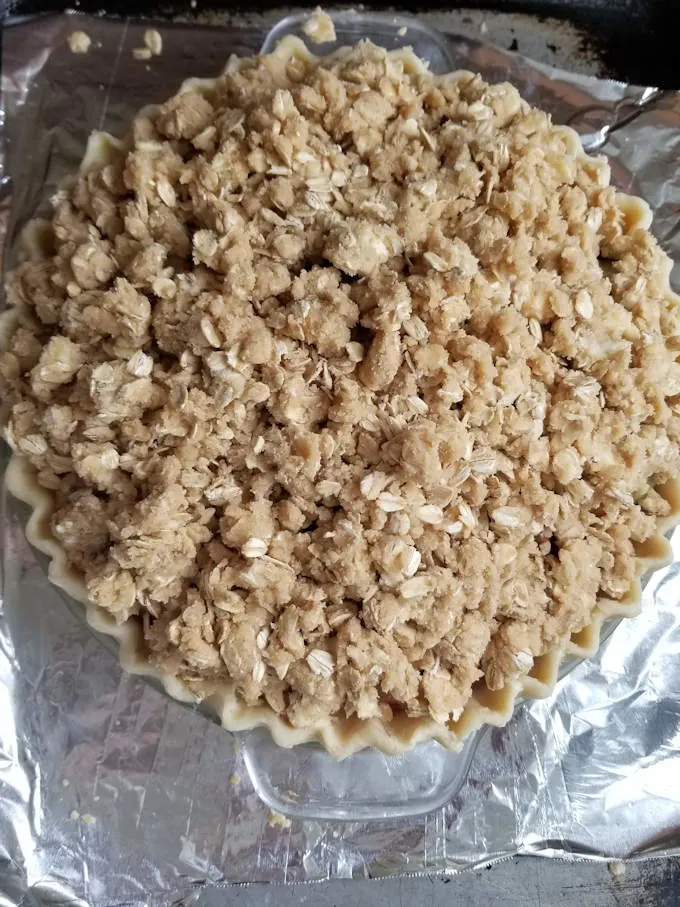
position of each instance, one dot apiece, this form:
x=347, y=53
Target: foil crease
x=112, y=793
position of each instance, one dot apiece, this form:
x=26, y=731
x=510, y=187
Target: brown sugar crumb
x=79, y=42
x=319, y=27
x=352, y=384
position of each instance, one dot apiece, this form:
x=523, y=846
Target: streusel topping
x=354, y=384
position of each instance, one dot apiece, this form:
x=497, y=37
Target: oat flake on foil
x=109, y=791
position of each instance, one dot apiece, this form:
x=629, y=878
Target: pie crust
x=340, y=735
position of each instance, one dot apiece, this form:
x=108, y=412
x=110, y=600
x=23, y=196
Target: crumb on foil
x=278, y=820
x=617, y=868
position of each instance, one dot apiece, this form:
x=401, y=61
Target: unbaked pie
x=345, y=396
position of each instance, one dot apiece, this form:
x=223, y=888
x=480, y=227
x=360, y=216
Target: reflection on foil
x=110, y=792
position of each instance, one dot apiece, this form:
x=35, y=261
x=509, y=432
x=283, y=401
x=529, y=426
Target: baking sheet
x=110, y=792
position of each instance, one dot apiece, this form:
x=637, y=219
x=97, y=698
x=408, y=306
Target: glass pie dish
x=304, y=781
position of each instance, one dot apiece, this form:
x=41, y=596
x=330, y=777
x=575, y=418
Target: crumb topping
x=353, y=384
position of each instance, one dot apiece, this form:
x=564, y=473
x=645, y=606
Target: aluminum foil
x=112, y=793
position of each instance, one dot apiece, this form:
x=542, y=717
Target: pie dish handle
x=384, y=29
x=306, y=782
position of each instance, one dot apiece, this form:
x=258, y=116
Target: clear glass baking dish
x=384, y=29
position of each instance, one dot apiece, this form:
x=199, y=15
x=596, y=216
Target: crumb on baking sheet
x=141, y=53
x=353, y=384
x=319, y=27
x=79, y=42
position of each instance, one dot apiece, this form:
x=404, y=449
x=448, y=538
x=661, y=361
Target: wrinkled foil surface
x=112, y=793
